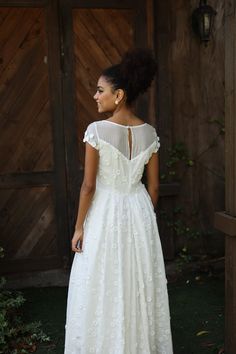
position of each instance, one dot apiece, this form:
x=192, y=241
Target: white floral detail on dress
x=157, y=141
x=89, y=136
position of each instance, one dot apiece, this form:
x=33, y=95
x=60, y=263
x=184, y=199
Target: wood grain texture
x=28, y=182
x=27, y=223
x=26, y=137
x=34, y=179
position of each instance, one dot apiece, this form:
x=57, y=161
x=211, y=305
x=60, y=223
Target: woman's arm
x=86, y=194
x=152, y=172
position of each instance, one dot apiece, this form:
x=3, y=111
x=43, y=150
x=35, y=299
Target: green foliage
x=184, y=230
x=178, y=224
x=183, y=257
x=181, y=229
x=16, y=337
x=178, y=154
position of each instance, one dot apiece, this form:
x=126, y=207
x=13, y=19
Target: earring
x=116, y=102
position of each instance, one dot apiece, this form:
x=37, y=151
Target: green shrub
x=16, y=337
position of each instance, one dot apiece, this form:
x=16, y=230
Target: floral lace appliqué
x=90, y=138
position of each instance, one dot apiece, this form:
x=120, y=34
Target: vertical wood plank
x=164, y=116
x=141, y=40
x=74, y=173
x=151, y=44
x=60, y=190
x=24, y=97
x=230, y=175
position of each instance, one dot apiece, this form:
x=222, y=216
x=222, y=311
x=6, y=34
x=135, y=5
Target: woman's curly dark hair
x=134, y=74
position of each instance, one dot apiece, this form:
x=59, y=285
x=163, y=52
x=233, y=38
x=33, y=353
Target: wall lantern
x=202, y=21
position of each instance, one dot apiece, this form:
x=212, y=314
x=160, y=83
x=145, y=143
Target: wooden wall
x=193, y=85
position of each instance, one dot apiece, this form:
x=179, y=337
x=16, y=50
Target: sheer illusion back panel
x=141, y=136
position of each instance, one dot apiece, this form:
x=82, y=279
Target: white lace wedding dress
x=117, y=298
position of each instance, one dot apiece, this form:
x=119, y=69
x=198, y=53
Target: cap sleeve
x=157, y=141
x=91, y=136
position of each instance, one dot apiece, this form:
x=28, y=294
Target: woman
x=117, y=297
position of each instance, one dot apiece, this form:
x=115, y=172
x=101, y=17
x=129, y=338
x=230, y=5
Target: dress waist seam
x=132, y=190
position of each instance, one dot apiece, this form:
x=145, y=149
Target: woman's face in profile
x=105, y=96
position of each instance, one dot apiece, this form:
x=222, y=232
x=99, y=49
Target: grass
x=196, y=303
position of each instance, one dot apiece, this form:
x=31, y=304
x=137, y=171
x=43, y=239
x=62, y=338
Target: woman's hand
x=77, y=240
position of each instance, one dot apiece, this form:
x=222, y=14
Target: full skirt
x=117, y=297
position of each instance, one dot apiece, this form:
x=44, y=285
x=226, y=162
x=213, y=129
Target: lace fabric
x=117, y=297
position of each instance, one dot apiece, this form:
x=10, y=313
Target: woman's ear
x=120, y=94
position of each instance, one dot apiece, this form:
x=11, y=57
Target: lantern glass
x=206, y=24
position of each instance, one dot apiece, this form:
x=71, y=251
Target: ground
x=197, y=314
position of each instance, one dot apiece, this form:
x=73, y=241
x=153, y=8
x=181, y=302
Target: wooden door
x=33, y=213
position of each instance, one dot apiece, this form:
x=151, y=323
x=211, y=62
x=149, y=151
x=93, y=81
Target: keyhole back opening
x=130, y=142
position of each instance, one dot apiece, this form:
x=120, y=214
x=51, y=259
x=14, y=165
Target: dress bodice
x=121, y=164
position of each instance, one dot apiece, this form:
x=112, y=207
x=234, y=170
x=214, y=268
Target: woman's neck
x=123, y=115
